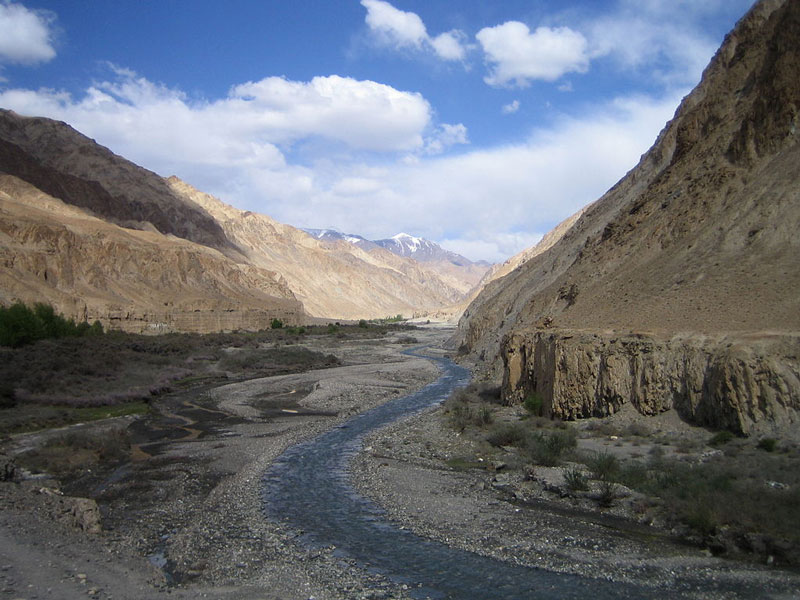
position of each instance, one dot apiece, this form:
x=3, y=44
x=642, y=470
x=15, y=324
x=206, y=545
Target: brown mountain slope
x=332, y=279
x=679, y=287
x=65, y=164
x=132, y=280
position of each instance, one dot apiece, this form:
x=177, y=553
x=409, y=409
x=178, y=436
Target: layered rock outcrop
x=698, y=241
x=740, y=383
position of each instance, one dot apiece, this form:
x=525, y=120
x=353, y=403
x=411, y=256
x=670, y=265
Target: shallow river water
x=307, y=487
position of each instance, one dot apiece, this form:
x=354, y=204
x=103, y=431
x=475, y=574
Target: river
x=308, y=488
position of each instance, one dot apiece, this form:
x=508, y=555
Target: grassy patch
x=56, y=382
x=78, y=450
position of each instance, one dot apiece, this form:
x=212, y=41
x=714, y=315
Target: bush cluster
x=21, y=325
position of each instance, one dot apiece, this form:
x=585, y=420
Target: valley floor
x=184, y=519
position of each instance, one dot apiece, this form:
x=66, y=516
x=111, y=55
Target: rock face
x=333, y=278
x=696, y=248
x=67, y=165
x=136, y=281
x=737, y=382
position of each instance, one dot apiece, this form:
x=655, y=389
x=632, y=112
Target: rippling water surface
x=308, y=488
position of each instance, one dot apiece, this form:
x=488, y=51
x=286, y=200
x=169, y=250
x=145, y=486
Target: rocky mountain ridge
x=468, y=273
x=697, y=244
x=128, y=279
x=280, y=265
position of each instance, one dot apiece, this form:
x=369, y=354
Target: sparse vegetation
x=55, y=382
x=767, y=444
x=576, y=480
x=720, y=438
x=549, y=449
x=77, y=450
x=533, y=403
x=603, y=465
x=21, y=325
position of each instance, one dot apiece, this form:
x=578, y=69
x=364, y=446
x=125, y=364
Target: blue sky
x=477, y=124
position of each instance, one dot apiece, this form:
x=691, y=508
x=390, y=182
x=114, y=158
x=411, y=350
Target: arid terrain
x=179, y=514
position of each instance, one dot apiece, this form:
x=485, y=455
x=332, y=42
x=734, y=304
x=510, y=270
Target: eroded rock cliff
x=742, y=383
x=698, y=241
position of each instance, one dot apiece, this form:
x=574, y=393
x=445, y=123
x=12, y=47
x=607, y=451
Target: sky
x=478, y=124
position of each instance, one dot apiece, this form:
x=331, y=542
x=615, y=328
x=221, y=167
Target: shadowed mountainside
x=133, y=280
x=678, y=288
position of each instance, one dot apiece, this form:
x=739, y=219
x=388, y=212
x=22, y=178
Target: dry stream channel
x=308, y=489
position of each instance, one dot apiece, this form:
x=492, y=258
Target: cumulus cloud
x=510, y=108
x=25, y=35
x=516, y=56
x=362, y=114
x=444, y=136
x=253, y=125
x=401, y=29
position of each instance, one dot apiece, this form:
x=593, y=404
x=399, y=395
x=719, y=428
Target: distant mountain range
x=402, y=244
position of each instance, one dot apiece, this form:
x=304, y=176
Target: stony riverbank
x=186, y=520
x=444, y=485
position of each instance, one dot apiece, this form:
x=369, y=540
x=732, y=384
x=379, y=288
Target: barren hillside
x=693, y=254
x=332, y=279
x=128, y=279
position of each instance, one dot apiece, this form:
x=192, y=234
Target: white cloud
x=401, y=29
x=517, y=57
x=444, y=136
x=450, y=45
x=25, y=35
x=362, y=114
x=253, y=126
x=510, y=108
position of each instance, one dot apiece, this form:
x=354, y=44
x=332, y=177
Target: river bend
x=307, y=487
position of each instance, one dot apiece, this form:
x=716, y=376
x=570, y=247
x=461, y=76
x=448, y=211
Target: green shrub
x=533, y=404
x=548, y=449
x=607, y=494
x=767, y=444
x=484, y=416
x=21, y=325
x=460, y=417
x=332, y=328
x=363, y=324
x=276, y=324
x=575, y=479
x=720, y=438
x=604, y=466
x=8, y=398
x=507, y=434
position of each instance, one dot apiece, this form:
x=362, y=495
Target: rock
x=81, y=513
x=686, y=268
x=8, y=469
x=744, y=386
